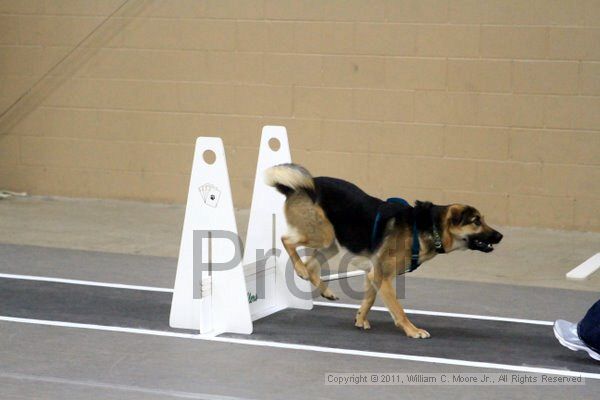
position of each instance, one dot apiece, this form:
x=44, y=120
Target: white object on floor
x=342, y=275
x=585, y=269
x=265, y=226
x=213, y=300
x=229, y=299
x=566, y=333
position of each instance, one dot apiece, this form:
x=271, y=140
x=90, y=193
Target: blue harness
x=377, y=233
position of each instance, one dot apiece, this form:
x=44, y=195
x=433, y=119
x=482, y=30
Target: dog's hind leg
x=290, y=243
x=313, y=267
x=308, y=227
x=309, y=270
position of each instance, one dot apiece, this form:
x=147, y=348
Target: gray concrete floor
x=136, y=243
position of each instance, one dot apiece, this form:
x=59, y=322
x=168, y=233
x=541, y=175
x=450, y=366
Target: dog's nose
x=497, y=236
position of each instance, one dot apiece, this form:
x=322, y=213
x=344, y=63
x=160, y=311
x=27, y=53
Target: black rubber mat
x=455, y=338
x=86, y=304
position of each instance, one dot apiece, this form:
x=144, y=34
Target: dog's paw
x=329, y=295
x=362, y=324
x=418, y=334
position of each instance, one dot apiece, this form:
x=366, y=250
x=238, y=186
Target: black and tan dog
x=322, y=212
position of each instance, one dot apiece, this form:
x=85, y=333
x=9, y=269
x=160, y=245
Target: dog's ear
x=455, y=214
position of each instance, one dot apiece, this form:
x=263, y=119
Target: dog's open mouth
x=478, y=244
x=484, y=242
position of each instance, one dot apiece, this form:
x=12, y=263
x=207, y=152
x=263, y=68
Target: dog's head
x=468, y=229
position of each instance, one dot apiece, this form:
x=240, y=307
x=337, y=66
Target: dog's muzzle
x=485, y=241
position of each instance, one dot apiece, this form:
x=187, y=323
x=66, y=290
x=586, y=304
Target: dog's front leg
x=388, y=293
x=370, y=293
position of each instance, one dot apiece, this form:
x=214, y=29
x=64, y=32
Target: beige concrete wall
x=492, y=103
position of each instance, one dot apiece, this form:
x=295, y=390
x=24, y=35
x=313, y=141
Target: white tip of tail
x=292, y=176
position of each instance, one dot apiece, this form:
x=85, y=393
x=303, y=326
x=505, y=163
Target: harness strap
x=416, y=245
x=377, y=228
x=377, y=233
x=415, y=249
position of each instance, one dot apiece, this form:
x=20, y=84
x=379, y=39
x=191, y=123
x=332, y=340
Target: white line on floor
x=116, y=387
x=443, y=314
x=320, y=349
x=87, y=283
x=318, y=303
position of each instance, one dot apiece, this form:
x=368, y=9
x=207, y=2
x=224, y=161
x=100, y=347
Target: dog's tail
x=291, y=179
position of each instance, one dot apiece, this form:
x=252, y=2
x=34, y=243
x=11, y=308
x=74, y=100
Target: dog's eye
x=477, y=222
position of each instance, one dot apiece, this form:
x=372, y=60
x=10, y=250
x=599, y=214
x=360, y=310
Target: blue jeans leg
x=588, y=328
